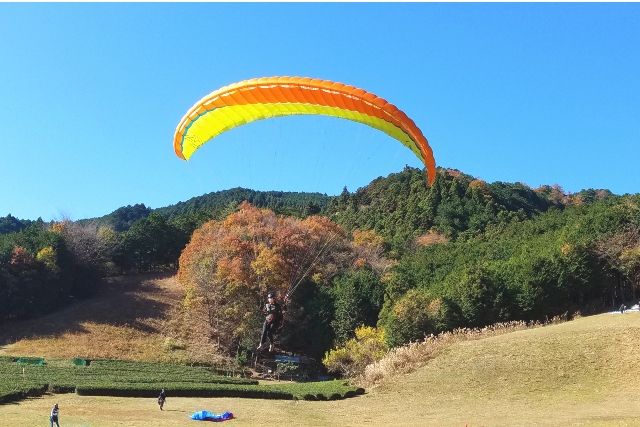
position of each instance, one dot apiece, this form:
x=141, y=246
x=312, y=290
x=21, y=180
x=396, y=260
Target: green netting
x=37, y=361
x=80, y=362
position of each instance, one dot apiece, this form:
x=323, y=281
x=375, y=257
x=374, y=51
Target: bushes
x=323, y=390
x=131, y=379
x=141, y=372
x=21, y=392
x=182, y=390
x=327, y=390
x=15, y=384
x=367, y=347
x=416, y=315
x=64, y=388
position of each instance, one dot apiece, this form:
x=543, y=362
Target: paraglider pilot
x=272, y=321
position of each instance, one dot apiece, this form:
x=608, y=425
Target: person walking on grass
x=54, y=415
x=161, y=399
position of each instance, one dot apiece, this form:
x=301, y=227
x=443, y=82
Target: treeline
x=146, y=239
x=420, y=259
x=221, y=203
x=401, y=207
x=217, y=205
x=584, y=258
x=575, y=257
x=11, y=224
x=42, y=267
x=581, y=258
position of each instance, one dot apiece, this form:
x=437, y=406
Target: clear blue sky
x=90, y=95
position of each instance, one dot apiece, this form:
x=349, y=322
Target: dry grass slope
x=127, y=320
x=583, y=372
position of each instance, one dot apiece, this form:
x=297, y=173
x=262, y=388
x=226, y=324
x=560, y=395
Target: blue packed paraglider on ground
x=210, y=416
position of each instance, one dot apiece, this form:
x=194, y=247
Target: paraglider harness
x=272, y=323
x=274, y=316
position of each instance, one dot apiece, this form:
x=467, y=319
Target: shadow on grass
x=27, y=399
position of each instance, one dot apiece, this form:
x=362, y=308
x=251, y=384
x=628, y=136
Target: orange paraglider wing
x=256, y=99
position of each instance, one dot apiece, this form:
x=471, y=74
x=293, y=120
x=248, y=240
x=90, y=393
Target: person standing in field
x=54, y=415
x=161, y=399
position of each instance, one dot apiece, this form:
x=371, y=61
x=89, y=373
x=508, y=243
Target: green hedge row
x=331, y=390
x=122, y=365
x=61, y=388
x=182, y=390
x=22, y=392
x=321, y=390
x=115, y=378
x=9, y=372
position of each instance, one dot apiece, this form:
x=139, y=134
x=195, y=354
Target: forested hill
x=218, y=204
x=283, y=202
x=510, y=227
x=401, y=207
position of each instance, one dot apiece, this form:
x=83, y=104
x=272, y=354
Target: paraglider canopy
x=256, y=99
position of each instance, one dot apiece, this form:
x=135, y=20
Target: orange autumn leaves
x=229, y=265
x=259, y=251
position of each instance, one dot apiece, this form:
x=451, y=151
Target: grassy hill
x=582, y=372
x=126, y=320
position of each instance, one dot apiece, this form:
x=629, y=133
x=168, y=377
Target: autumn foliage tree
x=368, y=247
x=229, y=265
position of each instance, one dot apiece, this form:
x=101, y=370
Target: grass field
x=583, y=372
